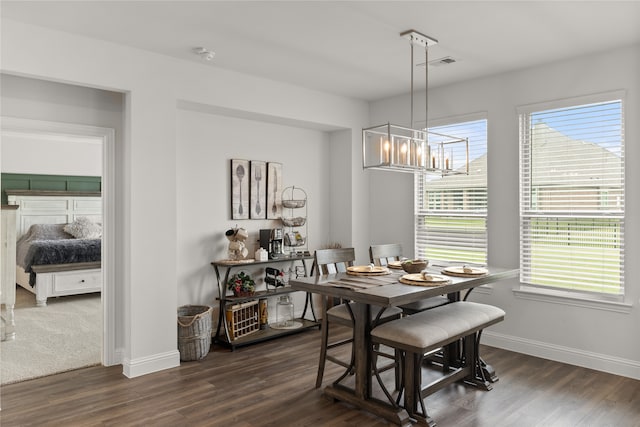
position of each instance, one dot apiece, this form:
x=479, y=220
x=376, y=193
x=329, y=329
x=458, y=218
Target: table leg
x=360, y=396
x=361, y=347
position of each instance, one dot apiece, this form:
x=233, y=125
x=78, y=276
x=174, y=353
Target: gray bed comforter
x=50, y=244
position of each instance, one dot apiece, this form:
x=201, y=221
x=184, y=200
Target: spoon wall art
x=240, y=189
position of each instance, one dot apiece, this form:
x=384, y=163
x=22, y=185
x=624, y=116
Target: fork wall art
x=240, y=176
x=256, y=189
x=258, y=194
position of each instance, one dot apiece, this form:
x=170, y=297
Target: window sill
x=567, y=298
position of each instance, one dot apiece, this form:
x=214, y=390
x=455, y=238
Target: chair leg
x=375, y=350
x=398, y=369
x=323, y=344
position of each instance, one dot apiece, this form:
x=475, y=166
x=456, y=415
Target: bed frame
x=57, y=207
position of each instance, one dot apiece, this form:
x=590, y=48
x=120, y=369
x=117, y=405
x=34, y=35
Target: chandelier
x=407, y=149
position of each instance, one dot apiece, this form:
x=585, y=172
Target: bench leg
x=412, y=389
x=487, y=371
x=472, y=360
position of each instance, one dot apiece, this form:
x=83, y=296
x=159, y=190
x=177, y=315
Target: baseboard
x=146, y=365
x=599, y=362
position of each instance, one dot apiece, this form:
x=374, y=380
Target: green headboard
x=19, y=181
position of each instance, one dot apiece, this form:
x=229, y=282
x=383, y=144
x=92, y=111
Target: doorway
x=106, y=138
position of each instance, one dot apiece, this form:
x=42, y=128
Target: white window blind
x=572, y=197
x=451, y=211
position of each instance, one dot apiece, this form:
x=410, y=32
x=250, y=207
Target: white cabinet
x=62, y=279
x=8, y=256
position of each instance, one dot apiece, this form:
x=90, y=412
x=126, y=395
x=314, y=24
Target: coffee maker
x=272, y=240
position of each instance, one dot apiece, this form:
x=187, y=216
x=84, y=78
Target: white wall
x=51, y=156
x=206, y=143
x=563, y=330
x=149, y=263
x=48, y=101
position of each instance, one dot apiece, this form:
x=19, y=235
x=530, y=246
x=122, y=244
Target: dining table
x=386, y=290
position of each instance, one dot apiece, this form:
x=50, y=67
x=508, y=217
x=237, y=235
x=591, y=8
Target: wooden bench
x=417, y=335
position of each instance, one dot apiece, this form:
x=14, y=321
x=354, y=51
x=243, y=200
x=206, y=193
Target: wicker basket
x=194, y=331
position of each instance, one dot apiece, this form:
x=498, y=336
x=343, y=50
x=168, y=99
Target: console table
x=223, y=271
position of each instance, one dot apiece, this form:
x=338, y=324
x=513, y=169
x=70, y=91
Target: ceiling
x=351, y=48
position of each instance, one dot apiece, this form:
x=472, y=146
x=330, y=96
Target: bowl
x=413, y=266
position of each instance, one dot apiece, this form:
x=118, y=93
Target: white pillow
x=83, y=228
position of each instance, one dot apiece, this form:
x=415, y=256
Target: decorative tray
x=367, y=270
x=464, y=271
x=418, y=279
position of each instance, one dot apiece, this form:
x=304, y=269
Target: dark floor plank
x=271, y=384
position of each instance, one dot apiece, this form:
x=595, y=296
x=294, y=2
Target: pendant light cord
x=426, y=91
x=411, y=126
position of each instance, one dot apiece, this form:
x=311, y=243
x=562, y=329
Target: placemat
x=367, y=270
x=396, y=265
x=354, y=285
x=458, y=271
x=418, y=279
x=364, y=282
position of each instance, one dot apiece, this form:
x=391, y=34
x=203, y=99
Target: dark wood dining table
x=384, y=291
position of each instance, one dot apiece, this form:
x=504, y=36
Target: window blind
x=572, y=197
x=451, y=210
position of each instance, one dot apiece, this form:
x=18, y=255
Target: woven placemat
x=366, y=270
x=418, y=280
x=459, y=271
x=396, y=265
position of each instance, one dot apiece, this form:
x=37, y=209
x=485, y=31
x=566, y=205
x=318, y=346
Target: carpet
x=64, y=335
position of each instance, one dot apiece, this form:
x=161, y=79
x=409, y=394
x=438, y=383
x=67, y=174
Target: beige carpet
x=64, y=335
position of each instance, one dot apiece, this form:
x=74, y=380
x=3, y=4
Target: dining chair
x=384, y=254
x=331, y=261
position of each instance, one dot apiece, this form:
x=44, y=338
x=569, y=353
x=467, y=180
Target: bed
x=58, y=249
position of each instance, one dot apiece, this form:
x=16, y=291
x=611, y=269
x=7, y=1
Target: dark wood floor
x=271, y=384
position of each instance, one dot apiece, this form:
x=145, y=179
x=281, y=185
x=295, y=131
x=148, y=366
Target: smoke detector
x=204, y=53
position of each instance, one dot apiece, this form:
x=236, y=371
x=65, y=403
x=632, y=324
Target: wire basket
x=294, y=222
x=293, y=203
x=294, y=198
x=194, y=331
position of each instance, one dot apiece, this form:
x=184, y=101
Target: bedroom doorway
x=105, y=138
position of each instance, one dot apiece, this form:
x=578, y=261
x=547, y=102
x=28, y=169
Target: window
x=451, y=211
x=572, y=195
